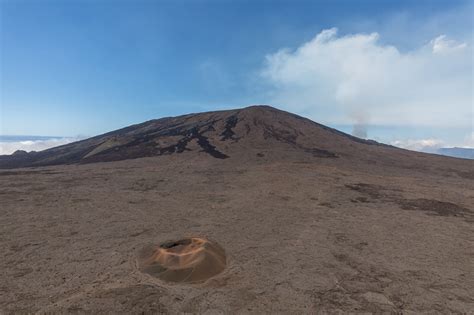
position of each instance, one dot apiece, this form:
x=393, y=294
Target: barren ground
x=300, y=236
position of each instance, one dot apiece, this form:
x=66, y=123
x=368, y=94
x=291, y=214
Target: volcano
x=303, y=219
x=249, y=132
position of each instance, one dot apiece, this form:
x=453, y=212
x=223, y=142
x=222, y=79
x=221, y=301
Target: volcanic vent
x=187, y=260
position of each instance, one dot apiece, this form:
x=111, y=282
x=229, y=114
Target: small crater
x=188, y=260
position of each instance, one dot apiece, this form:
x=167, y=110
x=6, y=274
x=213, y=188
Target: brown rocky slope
x=221, y=134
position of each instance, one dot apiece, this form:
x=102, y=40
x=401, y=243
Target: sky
x=400, y=72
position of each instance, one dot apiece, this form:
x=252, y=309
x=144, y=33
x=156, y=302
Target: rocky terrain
x=311, y=220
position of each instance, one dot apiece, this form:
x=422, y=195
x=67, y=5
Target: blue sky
x=72, y=68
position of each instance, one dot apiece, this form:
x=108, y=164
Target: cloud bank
x=8, y=147
x=425, y=145
x=356, y=79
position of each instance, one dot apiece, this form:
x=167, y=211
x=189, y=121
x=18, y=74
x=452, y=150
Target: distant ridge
x=466, y=153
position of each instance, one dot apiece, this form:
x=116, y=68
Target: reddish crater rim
x=192, y=259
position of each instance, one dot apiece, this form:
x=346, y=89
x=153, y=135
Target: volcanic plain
x=311, y=220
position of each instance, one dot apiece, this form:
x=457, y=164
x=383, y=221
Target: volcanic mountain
x=251, y=211
x=254, y=131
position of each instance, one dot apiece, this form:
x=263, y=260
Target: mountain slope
x=221, y=135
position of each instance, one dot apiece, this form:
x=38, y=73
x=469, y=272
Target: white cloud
x=433, y=144
x=468, y=141
x=442, y=45
x=426, y=145
x=354, y=78
x=9, y=147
